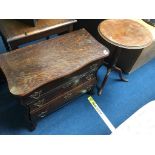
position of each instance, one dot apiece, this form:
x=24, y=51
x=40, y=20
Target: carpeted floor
x=118, y=101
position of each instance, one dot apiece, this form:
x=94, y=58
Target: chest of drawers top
x=31, y=67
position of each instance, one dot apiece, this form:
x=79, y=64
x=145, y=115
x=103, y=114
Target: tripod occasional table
x=123, y=34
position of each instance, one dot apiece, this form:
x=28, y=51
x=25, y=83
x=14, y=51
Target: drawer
x=61, y=100
x=59, y=84
x=40, y=96
x=44, y=100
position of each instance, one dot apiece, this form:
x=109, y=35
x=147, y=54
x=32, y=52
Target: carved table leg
x=112, y=66
x=104, y=81
x=120, y=74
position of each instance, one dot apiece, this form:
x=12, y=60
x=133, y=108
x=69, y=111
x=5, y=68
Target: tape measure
x=101, y=114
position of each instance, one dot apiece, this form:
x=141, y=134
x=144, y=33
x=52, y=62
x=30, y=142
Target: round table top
x=125, y=33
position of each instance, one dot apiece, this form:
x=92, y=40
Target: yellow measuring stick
x=101, y=114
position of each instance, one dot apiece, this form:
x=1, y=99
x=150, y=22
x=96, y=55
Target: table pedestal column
x=112, y=66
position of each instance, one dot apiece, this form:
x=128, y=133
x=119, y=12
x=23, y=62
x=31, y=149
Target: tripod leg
x=104, y=81
x=120, y=74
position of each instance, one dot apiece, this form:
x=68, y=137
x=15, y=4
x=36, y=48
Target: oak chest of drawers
x=47, y=75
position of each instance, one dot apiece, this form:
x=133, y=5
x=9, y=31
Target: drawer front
x=64, y=88
x=40, y=95
x=58, y=102
x=57, y=85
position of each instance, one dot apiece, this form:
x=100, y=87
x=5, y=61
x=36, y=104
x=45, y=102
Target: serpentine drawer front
x=47, y=75
x=62, y=84
x=59, y=101
x=61, y=89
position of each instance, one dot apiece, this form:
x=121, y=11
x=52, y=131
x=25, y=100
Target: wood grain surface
x=125, y=33
x=29, y=68
x=14, y=29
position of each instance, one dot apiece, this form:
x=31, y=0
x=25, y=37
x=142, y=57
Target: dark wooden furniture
x=90, y=25
x=15, y=33
x=122, y=34
x=30, y=22
x=47, y=75
x=132, y=59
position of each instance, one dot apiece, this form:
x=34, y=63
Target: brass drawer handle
x=67, y=96
x=66, y=85
x=36, y=95
x=73, y=81
x=89, y=87
x=89, y=77
x=39, y=103
x=43, y=114
x=83, y=91
x=82, y=75
x=76, y=81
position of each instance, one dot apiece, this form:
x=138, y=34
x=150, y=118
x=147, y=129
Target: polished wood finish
x=123, y=33
x=47, y=75
x=29, y=68
x=15, y=33
x=130, y=61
